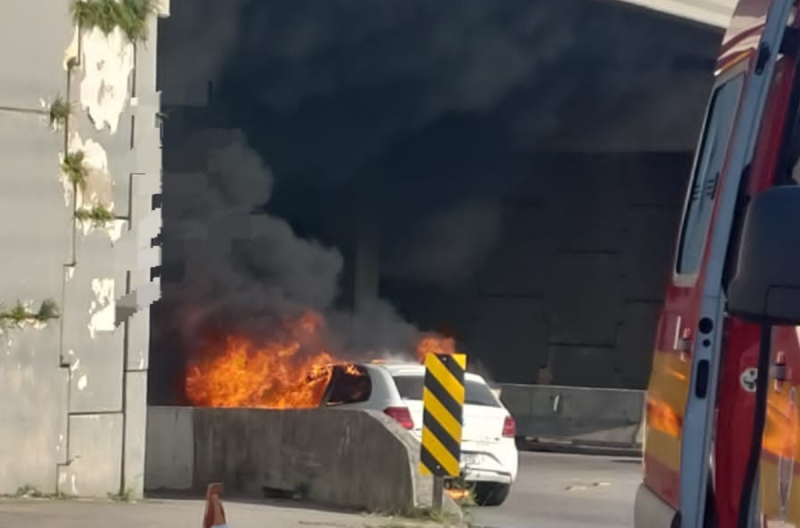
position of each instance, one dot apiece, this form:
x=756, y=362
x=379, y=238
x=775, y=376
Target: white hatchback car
x=489, y=457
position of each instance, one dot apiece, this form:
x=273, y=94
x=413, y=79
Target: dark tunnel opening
x=509, y=174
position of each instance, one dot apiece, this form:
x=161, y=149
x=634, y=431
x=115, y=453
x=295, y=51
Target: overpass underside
x=537, y=230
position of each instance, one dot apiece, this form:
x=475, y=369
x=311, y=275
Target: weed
x=125, y=495
x=28, y=491
x=19, y=314
x=60, y=110
x=432, y=515
x=99, y=215
x=75, y=169
x=47, y=310
x=131, y=16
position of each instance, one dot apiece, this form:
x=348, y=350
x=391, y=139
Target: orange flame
x=289, y=372
x=275, y=375
x=458, y=494
x=435, y=345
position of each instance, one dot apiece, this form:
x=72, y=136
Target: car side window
x=708, y=170
x=349, y=384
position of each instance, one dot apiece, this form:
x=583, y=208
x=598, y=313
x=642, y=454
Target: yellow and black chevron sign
x=443, y=399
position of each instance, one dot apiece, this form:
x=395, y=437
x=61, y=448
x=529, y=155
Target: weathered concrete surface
x=170, y=459
x=182, y=513
x=348, y=459
x=75, y=387
x=602, y=417
x=330, y=457
x=34, y=230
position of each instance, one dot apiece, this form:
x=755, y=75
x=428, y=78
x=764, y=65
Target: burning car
x=489, y=456
x=297, y=371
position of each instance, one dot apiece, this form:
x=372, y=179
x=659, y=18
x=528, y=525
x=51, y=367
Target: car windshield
x=477, y=393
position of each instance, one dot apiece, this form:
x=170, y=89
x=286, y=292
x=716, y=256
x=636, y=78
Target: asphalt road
x=552, y=491
x=567, y=491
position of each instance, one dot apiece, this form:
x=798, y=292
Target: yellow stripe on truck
x=664, y=448
x=666, y=399
x=669, y=381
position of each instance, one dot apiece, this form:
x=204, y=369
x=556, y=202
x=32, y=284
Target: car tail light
x=401, y=416
x=509, y=427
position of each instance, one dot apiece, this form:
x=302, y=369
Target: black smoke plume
x=276, y=109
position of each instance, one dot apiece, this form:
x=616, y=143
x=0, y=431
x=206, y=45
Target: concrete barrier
x=347, y=459
x=169, y=449
x=578, y=416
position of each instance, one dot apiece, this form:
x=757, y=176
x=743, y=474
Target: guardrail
x=348, y=459
x=550, y=415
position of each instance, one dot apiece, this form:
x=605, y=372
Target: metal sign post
x=443, y=402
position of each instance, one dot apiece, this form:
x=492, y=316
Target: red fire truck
x=721, y=446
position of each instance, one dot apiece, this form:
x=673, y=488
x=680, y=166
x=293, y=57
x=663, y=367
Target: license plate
x=470, y=460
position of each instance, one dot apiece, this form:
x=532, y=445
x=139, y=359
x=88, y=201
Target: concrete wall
x=350, y=459
x=170, y=459
x=74, y=388
x=571, y=291
x=595, y=417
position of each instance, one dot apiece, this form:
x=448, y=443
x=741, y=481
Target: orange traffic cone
x=215, y=513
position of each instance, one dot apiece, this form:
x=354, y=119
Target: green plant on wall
x=131, y=16
x=75, y=168
x=47, y=310
x=99, y=215
x=60, y=111
x=19, y=314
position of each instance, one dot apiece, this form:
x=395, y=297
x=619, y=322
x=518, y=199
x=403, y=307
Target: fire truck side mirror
x=766, y=287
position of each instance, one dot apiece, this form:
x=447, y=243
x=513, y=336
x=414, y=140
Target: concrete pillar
x=366, y=262
x=73, y=386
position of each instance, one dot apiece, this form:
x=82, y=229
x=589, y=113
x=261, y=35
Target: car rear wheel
x=491, y=493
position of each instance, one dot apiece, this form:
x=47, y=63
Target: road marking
x=585, y=487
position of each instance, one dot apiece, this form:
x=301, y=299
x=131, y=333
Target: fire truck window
x=350, y=384
x=705, y=182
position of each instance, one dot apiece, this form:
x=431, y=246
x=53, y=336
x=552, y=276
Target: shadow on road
x=581, y=449
x=636, y=461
